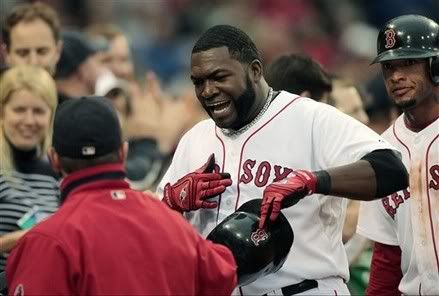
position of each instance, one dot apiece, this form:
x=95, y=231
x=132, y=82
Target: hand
x=174, y=122
x=286, y=193
x=191, y=191
x=144, y=120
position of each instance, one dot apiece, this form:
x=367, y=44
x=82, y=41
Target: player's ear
x=256, y=71
x=54, y=160
x=123, y=151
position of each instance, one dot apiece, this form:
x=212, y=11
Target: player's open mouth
x=220, y=108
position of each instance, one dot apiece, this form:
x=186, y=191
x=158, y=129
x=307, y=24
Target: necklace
x=235, y=133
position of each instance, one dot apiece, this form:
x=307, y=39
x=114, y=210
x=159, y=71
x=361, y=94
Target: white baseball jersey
x=410, y=220
x=294, y=133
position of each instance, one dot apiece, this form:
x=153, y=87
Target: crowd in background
x=137, y=53
x=340, y=36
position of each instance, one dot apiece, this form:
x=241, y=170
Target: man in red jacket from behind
x=106, y=238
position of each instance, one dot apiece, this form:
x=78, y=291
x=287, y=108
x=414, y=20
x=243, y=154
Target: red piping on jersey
x=429, y=205
x=399, y=140
x=222, y=170
x=417, y=128
x=245, y=142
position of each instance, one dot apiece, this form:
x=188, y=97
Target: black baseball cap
x=77, y=47
x=86, y=128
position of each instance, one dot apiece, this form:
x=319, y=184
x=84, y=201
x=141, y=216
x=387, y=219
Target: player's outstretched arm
x=377, y=174
x=190, y=192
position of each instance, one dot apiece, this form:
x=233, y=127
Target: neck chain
x=235, y=133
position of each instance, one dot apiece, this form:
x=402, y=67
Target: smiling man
x=31, y=35
x=279, y=146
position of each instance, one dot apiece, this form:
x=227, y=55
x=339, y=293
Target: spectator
x=379, y=107
x=29, y=186
x=106, y=238
x=153, y=121
x=31, y=35
x=299, y=74
x=78, y=69
x=109, y=86
x=348, y=98
x=118, y=57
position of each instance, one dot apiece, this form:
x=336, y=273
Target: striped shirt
x=32, y=186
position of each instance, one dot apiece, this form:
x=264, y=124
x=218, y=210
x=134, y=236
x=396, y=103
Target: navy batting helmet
x=410, y=37
x=257, y=252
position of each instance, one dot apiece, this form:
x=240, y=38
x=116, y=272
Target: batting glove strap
x=309, y=180
x=181, y=195
x=190, y=192
x=169, y=198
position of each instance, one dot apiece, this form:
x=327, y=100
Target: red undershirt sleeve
x=385, y=270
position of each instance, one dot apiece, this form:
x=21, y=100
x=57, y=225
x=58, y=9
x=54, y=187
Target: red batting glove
x=286, y=193
x=191, y=191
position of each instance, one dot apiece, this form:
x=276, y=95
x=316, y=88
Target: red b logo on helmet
x=258, y=236
x=390, y=38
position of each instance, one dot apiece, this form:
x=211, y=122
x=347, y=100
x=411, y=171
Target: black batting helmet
x=257, y=252
x=410, y=37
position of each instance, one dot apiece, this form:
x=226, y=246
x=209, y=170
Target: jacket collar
x=93, y=177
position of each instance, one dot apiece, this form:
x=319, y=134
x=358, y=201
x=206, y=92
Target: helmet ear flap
x=434, y=69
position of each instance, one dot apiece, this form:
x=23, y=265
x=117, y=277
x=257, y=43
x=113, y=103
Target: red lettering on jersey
x=406, y=194
x=388, y=207
x=280, y=175
x=397, y=199
x=434, y=172
x=262, y=174
x=247, y=175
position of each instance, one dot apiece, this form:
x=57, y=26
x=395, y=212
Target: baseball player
x=281, y=147
x=405, y=224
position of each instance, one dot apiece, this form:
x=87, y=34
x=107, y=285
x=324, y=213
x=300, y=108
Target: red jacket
x=108, y=239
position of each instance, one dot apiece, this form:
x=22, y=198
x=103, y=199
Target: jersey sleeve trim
x=375, y=237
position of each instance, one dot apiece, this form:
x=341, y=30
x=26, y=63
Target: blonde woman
x=28, y=186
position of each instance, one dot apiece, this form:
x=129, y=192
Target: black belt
x=298, y=288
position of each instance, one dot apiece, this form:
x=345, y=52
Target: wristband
x=323, y=182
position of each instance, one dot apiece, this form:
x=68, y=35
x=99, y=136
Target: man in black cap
x=78, y=68
x=106, y=238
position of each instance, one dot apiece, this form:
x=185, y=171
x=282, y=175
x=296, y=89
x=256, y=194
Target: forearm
x=376, y=175
x=8, y=241
x=355, y=181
